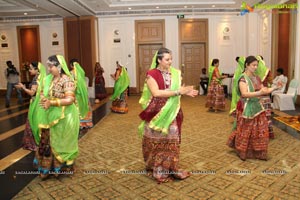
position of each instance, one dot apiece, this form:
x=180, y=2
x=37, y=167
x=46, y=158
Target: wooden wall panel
x=193, y=31
x=73, y=39
x=29, y=48
x=150, y=31
x=80, y=34
x=283, y=41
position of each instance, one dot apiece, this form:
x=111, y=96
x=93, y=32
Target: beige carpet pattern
x=110, y=165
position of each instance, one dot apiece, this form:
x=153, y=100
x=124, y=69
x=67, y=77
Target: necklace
x=167, y=78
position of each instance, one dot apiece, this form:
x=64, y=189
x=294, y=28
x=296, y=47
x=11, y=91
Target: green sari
x=36, y=112
x=81, y=92
x=121, y=84
x=62, y=121
x=262, y=70
x=237, y=73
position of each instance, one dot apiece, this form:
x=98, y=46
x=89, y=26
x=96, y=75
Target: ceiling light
x=213, y=6
x=25, y=13
x=157, y=7
x=129, y=8
x=185, y=6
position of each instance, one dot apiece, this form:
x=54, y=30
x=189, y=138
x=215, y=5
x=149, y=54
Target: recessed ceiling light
x=157, y=7
x=129, y=8
x=213, y=6
x=185, y=6
x=25, y=13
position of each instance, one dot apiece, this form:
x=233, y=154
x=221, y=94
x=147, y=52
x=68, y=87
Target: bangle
x=177, y=93
x=55, y=102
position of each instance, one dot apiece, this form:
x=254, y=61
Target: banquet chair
x=287, y=101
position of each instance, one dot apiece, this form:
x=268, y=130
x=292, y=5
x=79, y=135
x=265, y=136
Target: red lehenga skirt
x=251, y=137
x=161, y=154
x=120, y=105
x=266, y=101
x=215, y=96
x=28, y=141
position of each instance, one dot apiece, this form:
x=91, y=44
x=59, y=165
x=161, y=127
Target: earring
x=59, y=69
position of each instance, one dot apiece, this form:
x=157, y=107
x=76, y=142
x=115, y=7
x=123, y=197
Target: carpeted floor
x=110, y=165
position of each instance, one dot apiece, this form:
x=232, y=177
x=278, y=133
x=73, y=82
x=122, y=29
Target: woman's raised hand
x=188, y=90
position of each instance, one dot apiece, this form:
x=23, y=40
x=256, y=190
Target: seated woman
x=119, y=97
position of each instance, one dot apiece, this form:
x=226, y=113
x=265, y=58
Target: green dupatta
x=36, y=112
x=262, y=70
x=63, y=122
x=252, y=106
x=237, y=73
x=121, y=84
x=162, y=120
x=81, y=92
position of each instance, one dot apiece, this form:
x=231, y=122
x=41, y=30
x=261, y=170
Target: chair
x=91, y=90
x=287, y=101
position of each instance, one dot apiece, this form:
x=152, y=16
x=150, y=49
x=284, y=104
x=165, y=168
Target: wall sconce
x=54, y=35
x=3, y=37
x=226, y=30
x=116, y=32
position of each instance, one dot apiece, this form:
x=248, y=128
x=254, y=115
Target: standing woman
x=119, y=97
x=264, y=73
x=58, y=147
x=215, y=96
x=81, y=94
x=250, y=136
x=31, y=132
x=100, y=91
x=162, y=118
x=237, y=73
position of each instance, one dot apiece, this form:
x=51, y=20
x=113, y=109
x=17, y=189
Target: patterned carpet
x=110, y=164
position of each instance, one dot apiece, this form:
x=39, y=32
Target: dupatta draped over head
x=121, y=84
x=162, y=120
x=63, y=122
x=262, y=70
x=237, y=73
x=36, y=112
x=81, y=91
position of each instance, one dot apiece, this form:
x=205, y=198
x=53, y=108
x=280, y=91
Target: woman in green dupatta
x=264, y=74
x=162, y=118
x=119, y=97
x=31, y=132
x=250, y=136
x=237, y=73
x=58, y=147
x=81, y=94
x=215, y=96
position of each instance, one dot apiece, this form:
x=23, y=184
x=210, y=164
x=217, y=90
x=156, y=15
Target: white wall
x=46, y=28
x=225, y=50
x=246, y=36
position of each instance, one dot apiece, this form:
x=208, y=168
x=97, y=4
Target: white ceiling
x=10, y=9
